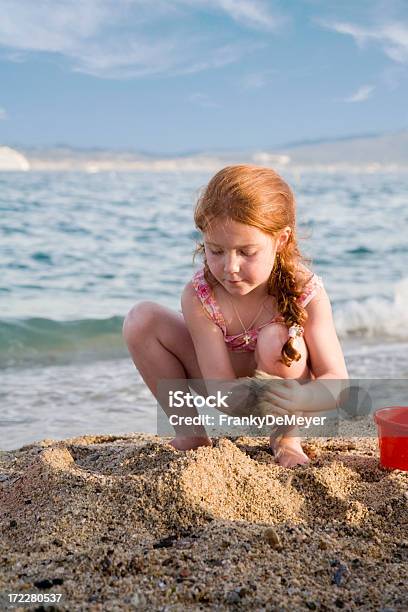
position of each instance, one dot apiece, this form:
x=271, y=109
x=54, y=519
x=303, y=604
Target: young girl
x=253, y=308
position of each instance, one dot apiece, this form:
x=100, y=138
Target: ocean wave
x=360, y=251
x=42, y=341
x=375, y=317
x=46, y=341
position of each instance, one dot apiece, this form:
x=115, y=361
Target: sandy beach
x=129, y=523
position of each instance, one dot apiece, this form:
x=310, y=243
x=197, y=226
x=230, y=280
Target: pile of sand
x=133, y=523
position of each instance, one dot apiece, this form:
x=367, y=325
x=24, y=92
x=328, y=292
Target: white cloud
x=363, y=93
x=252, y=13
x=396, y=42
x=3, y=114
x=129, y=38
x=48, y=26
x=392, y=37
x=227, y=54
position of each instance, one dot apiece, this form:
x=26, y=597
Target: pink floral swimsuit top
x=243, y=342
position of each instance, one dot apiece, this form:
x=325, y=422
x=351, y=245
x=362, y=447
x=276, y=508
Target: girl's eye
x=242, y=252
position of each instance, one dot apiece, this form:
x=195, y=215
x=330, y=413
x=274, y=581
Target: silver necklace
x=247, y=337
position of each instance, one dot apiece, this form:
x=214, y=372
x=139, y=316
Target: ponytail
x=284, y=283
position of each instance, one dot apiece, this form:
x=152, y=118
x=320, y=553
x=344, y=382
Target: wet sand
x=129, y=523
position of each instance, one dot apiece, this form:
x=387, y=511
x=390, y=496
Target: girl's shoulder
x=201, y=286
x=206, y=296
x=310, y=283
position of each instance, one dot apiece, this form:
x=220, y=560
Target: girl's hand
x=288, y=395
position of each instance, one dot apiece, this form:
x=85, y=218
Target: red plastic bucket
x=392, y=426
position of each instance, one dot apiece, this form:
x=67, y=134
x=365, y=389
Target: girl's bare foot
x=288, y=451
x=183, y=443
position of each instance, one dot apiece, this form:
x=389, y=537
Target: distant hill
x=391, y=148
x=363, y=152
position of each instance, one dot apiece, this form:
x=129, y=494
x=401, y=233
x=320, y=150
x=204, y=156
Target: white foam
x=374, y=317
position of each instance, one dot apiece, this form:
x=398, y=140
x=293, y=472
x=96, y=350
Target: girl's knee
x=268, y=354
x=140, y=319
x=270, y=342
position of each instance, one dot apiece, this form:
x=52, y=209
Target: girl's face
x=240, y=256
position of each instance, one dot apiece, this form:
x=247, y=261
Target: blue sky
x=169, y=76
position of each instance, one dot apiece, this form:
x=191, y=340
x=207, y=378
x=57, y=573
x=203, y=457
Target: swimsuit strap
x=206, y=296
x=310, y=289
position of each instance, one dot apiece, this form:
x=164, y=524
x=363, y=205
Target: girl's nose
x=231, y=264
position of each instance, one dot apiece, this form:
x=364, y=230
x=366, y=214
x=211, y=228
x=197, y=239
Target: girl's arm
x=326, y=363
x=208, y=339
x=325, y=353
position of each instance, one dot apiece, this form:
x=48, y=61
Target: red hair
x=259, y=197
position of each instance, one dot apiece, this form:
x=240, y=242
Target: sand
x=129, y=523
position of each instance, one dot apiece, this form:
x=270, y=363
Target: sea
x=79, y=249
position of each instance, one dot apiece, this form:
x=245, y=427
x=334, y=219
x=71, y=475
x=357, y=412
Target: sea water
x=78, y=250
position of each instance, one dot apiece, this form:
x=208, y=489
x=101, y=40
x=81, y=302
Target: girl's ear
x=283, y=238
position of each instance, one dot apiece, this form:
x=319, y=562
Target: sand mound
x=131, y=520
